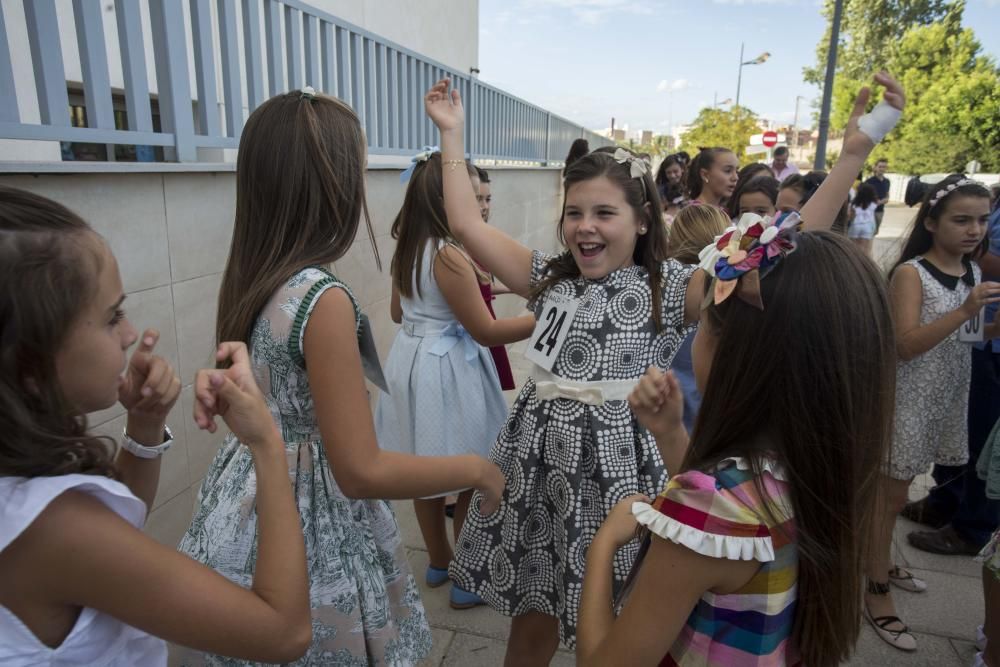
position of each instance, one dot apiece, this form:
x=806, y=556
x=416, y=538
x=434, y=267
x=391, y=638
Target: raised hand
x=657, y=402
x=861, y=137
x=233, y=394
x=444, y=108
x=150, y=387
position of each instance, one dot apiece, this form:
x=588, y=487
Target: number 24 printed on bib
x=551, y=330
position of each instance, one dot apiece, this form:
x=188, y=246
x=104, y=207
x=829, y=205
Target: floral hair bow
x=944, y=192
x=423, y=156
x=636, y=166
x=745, y=253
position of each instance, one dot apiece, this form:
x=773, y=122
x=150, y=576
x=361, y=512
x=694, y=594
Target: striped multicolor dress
x=721, y=514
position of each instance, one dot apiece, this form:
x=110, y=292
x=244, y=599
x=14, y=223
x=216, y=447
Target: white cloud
x=677, y=85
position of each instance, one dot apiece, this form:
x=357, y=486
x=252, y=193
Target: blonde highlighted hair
x=694, y=227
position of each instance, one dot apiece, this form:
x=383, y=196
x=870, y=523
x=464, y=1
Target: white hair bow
x=637, y=167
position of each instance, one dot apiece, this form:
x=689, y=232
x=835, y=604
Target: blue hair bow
x=424, y=155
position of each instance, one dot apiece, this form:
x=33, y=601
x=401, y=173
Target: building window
x=90, y=152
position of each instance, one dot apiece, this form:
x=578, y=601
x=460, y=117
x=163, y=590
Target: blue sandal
x=462, y=599
x=436, y=576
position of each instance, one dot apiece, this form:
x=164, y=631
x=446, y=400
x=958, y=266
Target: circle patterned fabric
x=567, y=463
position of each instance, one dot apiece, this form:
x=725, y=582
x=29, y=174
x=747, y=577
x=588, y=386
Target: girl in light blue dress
x=444, y=392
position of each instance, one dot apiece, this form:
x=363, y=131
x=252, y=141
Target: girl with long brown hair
x=80, y=583
x=936, y=288
x=444, y=395
x=610, y=305
x=755, y=551
x=300, y=200
x=712, y=176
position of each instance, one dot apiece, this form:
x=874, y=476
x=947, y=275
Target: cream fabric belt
x=549, y=387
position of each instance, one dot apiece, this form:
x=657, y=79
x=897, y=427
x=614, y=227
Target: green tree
x=729, y=128
x=953, y=90
x=869, y=31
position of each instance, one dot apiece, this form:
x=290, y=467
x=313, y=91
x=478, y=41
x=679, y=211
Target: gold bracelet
x=453, y=163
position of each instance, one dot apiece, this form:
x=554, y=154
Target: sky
x=652, y=64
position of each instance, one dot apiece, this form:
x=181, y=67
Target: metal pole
x=795, y=123
x=739, y=77
x=831, y=66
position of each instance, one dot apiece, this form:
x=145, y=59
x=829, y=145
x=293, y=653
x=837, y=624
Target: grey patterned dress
x=932, y=389
x=568, y=463
x=366, y=607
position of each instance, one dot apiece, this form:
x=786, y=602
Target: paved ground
x=943, y=619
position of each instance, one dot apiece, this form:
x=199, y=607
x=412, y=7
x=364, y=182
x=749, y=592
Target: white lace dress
x=932, y=389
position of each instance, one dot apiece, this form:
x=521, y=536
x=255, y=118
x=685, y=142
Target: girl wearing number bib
x=609, y=306
x=444, y=392
x=936, y=290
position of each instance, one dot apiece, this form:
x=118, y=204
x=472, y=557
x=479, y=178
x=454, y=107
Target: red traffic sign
x=769, y=138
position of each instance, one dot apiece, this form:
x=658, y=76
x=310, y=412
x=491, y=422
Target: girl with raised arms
x=609, y=306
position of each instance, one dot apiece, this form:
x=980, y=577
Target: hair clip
x=307, y=93
x=636, y=166
x=745, y=253
x=945, y=191
x=423, y=156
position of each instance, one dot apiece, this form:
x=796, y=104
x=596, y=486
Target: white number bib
x=972, y=331
x=551, y=330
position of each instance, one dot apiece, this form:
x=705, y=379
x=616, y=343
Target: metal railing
x=286, y=44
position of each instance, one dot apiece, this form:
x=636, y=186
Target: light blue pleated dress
x=444, y=393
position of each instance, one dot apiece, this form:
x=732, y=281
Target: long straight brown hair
x=300, y=197
x=650, y=248
x=421, y=218
x=810, y=382
x=49, y=264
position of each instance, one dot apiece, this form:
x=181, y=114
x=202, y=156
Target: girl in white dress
x=80, y=583
x=936, y=288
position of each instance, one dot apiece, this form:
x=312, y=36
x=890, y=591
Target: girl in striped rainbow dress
x=754, y=553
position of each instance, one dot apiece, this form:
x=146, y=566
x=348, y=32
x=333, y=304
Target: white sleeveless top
x=97, y=639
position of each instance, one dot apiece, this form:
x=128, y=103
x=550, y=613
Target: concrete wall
x=171, y=233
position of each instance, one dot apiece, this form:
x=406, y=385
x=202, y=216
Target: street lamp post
x=831, y=67
x=795, y=122
x=759, y=60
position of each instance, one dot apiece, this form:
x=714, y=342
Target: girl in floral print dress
x=301, y=325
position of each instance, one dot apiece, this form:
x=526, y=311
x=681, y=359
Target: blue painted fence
x=286, y=44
